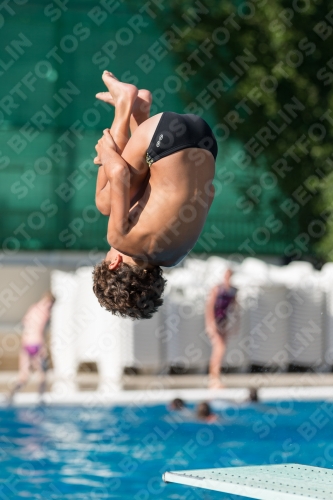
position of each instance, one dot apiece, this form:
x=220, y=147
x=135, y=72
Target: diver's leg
x=124, y=96
x=102, y=195
x=136, y=161
x=140, y=110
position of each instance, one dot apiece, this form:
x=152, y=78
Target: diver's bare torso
x=167, y=219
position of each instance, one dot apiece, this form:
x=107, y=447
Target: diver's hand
x=106, y=149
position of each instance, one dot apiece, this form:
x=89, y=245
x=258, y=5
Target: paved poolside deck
x=292, y=382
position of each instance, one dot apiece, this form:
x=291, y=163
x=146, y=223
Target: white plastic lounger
x=271, y=482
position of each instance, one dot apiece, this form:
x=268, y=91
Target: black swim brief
x=175, y=132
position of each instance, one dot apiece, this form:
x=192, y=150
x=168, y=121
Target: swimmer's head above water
x=128, y=287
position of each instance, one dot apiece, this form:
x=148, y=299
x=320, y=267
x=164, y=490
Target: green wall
x=50, y=122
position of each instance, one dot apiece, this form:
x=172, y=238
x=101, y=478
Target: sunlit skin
x=116, y=258
x=33, y=335
x=143, y=204
x=217, y=339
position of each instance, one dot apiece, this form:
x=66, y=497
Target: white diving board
x=270, y=482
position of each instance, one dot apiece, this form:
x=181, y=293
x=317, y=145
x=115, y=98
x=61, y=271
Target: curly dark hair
x=129, y=290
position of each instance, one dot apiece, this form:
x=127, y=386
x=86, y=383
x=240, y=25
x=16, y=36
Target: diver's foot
x=120, y=92
x=141, y=106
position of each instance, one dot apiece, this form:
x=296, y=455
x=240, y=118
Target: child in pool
x=156, y=187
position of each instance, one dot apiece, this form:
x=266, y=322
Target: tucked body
x=156, y=186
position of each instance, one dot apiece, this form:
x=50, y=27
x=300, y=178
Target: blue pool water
x=121, y=452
